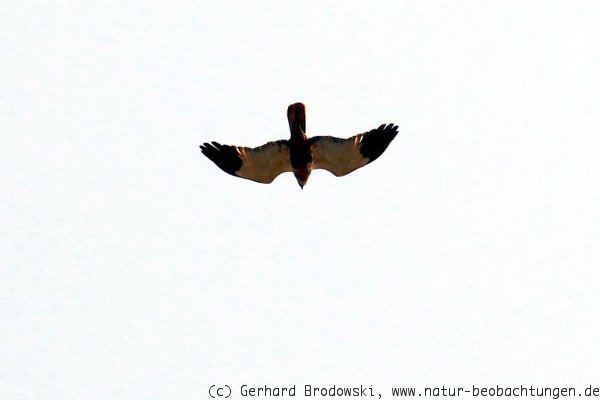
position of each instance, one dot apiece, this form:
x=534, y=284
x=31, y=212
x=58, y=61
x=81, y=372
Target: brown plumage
x=300, y=154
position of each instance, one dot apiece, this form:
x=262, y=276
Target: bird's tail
x=296, y=119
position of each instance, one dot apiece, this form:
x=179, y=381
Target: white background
x=133, y=268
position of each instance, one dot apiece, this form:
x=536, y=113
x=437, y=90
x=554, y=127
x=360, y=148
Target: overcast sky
x=133, y=268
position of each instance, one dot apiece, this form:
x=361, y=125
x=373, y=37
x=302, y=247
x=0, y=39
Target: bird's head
x=302, y=175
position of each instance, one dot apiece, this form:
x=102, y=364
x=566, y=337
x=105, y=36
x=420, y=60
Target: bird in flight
x=301, y=154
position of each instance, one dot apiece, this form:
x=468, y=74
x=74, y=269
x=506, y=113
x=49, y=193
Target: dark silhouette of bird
x=301, y=154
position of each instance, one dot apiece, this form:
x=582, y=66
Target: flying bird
x=301, y=154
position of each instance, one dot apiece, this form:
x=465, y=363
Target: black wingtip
x=224, y=156
x=375, y=142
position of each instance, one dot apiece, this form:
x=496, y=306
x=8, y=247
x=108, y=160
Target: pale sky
x=133, y=268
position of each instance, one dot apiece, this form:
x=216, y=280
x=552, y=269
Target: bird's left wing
x=261, y=164
x=342, y=156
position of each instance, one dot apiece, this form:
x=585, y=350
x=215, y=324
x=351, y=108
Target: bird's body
x=300, y=154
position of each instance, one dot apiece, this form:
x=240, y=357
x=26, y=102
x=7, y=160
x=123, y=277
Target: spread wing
x=342, y=156
x=261, y=164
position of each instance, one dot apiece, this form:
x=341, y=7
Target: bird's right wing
x=261, y=164
x=342, y=156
